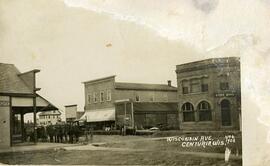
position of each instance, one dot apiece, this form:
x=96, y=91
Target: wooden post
x=22, y=126
x=35, y=118
x=11, y=120
x=125, y=118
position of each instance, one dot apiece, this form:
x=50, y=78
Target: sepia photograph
x=121, y=82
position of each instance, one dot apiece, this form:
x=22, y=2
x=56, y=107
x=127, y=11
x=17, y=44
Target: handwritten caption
x=202, y=141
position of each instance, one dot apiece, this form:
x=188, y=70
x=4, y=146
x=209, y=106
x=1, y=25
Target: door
x=225, y=113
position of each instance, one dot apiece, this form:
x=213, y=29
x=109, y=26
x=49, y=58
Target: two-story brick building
x=101, y=95
x=209, y=94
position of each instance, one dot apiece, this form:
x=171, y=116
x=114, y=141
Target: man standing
x=50, y=132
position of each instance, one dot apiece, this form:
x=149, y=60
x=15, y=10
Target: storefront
x=144, y=115
x=18, y=97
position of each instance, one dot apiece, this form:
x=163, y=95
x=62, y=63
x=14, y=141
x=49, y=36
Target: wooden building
x=101, y=94
x=145, y=115
x=18, y=97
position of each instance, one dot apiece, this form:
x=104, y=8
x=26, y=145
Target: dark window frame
x=204, y=87
x=224, y=86
x=205, y=112
x=188, y=112
x=185, y=90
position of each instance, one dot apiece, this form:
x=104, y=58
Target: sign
x=225, y=94
x=4, y=103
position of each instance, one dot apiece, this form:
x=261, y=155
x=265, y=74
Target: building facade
x=101, y=95
x=18, y=97
x=209, y=94
x=49, y=117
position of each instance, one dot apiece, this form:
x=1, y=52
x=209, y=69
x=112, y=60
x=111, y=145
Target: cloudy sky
x=77, y=40
x=72, y=41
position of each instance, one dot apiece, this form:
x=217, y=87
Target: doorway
x=225, y=113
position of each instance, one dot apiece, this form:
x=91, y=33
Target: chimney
x=169, y=83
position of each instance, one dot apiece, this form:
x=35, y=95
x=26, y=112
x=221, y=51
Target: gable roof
x=10, y=82
x=141, y=86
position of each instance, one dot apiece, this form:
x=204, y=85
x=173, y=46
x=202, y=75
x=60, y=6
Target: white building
x=48, y=117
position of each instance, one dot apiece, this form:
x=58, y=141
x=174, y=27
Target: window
x=185, y=87
x=137, y=98
x=204, y=84
x=224, y=86
x=185, y=90
x=188, y=112
x=204, y=111
x=95, y=97
x=204, y=87
x=195, y=86
x=152, y=98
x=89, y=98
x=109, y=95
x=102, y=96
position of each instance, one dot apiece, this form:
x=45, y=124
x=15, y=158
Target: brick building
x=209, y=94
x=101, y=95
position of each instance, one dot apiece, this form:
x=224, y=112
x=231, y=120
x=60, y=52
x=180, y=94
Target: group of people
x=59, y=133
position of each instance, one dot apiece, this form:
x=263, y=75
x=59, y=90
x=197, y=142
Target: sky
x=72, y=41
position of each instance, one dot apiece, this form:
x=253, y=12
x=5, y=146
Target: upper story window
x=109, y=95
x=152, y=98
x=188, y=112
x=102, y=96
x=95, y=97
x=195, y=86
x=224, y=86
x=89, y=98
x=185, y=86
x=137, y=98
x=204, y=85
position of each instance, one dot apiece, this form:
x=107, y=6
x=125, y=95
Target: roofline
x=146, y=89
x=208, y=59
x=72, y=105
x=50, y=104
x=142, y=102
x=47, y=113
x=7, y=63
x=17, y=94
x=34, y=71
x=99, y=79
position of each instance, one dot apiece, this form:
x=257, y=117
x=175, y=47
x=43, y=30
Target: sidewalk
x=33, y=147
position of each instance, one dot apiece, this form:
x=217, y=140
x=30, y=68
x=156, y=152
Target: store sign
x=4, y=103
x=225, y=94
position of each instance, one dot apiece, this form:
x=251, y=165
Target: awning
x=25, y=104
x=99, y=115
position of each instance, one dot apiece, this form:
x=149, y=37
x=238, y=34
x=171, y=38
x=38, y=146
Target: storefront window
x=188, y=112
x=204, y=111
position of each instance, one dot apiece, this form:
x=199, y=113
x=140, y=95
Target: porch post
x=22, y=125
x=35, y=118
